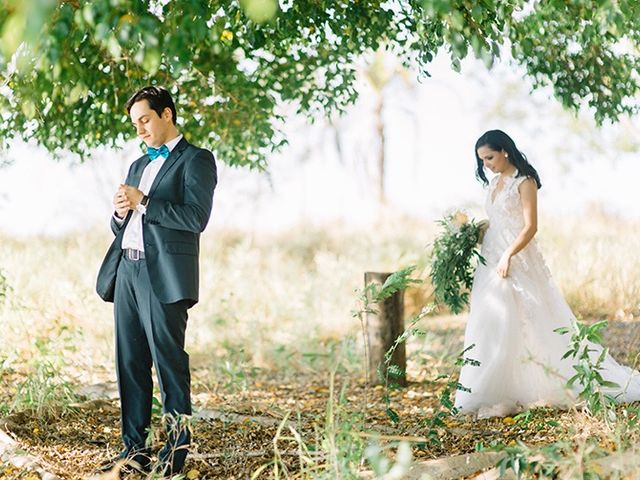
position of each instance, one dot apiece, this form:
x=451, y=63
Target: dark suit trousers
x=149, y=332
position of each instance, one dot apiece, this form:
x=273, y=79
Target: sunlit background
x=280, y=327
x=330, y=169
x=286, y=248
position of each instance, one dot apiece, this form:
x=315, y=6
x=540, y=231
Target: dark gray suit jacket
x=179, y=208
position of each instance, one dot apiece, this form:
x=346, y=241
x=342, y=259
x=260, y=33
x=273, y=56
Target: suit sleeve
x=193, y=215
x=116, y=226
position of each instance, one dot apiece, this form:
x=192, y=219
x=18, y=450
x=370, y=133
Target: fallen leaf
x=193, y=474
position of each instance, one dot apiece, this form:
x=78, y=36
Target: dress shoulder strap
x=514, y=184
x=518, y=180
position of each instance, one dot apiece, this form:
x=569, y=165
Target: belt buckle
x=134, y=255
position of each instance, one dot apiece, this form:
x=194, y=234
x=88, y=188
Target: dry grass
x=280, y=300
x=596, y=263
x=275, y=310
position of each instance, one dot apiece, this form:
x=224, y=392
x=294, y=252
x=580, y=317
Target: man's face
x=151, y=128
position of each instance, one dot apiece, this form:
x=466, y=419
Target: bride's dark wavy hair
x=499, y=141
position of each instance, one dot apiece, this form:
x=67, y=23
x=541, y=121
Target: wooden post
x=382, y=329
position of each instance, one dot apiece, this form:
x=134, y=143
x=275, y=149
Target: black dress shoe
x=128, y=461
x=170, y=461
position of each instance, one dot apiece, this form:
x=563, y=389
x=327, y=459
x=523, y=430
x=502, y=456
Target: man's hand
x=127, y=198
x=132, y=194
x=121, y=204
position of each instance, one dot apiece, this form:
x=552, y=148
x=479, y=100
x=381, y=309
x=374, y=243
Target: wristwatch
x=142, y=206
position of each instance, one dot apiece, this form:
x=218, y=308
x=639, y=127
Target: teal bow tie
x=154, y=153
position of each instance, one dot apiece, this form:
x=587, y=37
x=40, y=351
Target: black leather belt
x=131, y=254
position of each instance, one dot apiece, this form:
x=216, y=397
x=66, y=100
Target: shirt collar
x=171, y=144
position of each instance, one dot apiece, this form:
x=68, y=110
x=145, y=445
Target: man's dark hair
x=157, y=97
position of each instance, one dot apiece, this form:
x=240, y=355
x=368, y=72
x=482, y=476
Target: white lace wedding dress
x=512, y=322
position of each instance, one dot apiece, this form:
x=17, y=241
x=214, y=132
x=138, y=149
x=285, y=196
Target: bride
x=515, y=305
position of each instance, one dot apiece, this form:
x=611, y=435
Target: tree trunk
x=383, y=328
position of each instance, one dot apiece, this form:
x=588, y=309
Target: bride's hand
x=503, y=265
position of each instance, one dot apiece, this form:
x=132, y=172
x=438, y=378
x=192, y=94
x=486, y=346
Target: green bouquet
x=454, y=259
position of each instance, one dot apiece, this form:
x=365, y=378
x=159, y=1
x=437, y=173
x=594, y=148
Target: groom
x=150, y=273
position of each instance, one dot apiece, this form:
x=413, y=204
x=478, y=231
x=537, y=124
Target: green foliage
x=156, y=407
x=454, y=260
x=528, y=462
x=343, y=447
x=388, y=373
x=556, y=460
x=588, y=367
x=229, y=63
x=524, y=418
x=375, y=293
x=587, y=50
x=447, y=408
x=226, y=71
x=5, y=287
x=4, y=371
x=43, y=390
x=235, y=369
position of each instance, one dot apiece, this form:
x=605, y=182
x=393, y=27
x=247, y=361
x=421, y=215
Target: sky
x=431, y=125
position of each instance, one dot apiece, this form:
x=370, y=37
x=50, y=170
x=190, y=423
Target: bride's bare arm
x=529, y=196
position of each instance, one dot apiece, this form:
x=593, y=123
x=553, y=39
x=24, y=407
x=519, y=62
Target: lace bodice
x=506, y=221
x=504, y=206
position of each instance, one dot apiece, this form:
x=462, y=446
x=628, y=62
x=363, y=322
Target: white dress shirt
x=132, y=237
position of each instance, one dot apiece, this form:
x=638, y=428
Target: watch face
x=141, y=209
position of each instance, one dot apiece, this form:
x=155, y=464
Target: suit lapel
x=175, y=154
x=137, y=176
